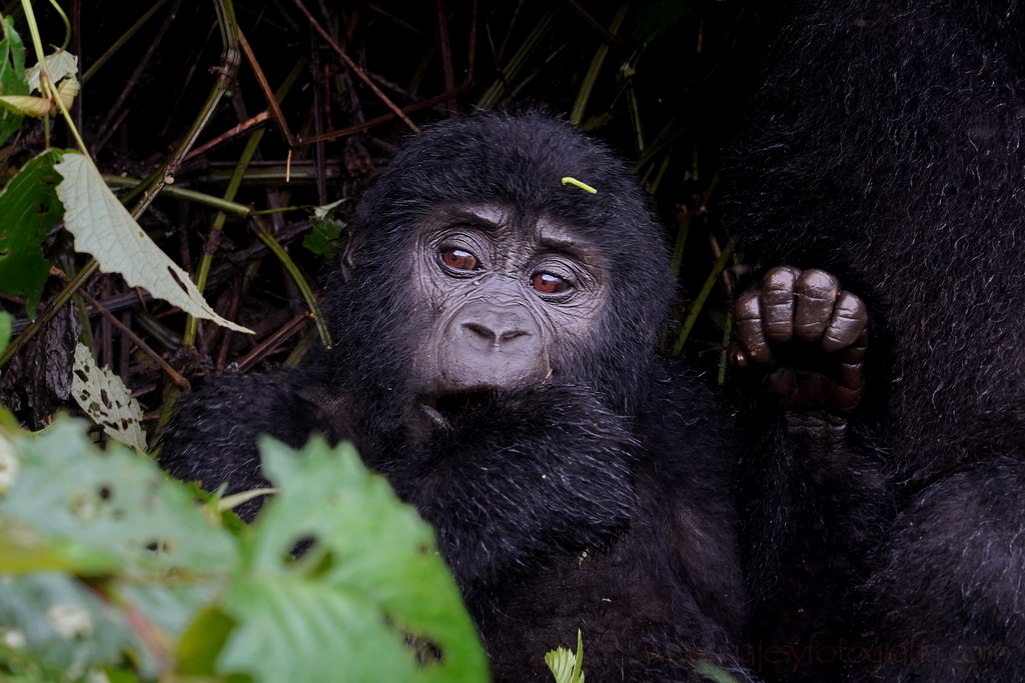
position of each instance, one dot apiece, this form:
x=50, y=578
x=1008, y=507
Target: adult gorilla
x=888, y=149
x=495, y=330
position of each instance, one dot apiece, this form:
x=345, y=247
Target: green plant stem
x=206, y=260
x=699, y=300
x=219, y=203
x=497, y=90
x=46, y=85
x=577, y=113
x=727, y=332
x=231, y=57
x=293, y=270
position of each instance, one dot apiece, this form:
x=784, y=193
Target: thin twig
x=164, y=365
x=355, y=68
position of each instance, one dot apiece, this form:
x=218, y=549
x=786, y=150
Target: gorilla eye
x=546, y=283
x=459, y=259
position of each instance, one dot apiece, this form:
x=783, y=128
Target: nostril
x=512, y=334
x=480, y=330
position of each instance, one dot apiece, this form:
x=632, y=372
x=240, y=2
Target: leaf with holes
x=106, y=399
x=104, y=228
x=114, y=502
x=28, y=209
x=370, y=588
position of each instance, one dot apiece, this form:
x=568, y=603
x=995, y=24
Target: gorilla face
x=478, y=272
x=511, y=299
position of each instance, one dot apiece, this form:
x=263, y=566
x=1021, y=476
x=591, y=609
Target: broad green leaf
x=59, y=65
x=116, y=502
x=62, y=624
x=12, y=76
x=104, y=228
x=23, y=550
x=370, y=589
x=28, y=209
x=106, y=399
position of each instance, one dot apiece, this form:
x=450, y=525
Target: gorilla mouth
x=444, y=409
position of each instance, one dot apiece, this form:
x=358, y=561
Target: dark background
x=669, y=97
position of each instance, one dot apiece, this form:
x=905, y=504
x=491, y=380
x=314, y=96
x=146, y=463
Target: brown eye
x=459, y=259
x=546, y=283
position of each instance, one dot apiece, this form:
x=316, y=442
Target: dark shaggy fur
x=888, y=149
x=616, y=456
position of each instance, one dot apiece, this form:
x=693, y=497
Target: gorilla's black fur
x=888, y=149
x=612, y=454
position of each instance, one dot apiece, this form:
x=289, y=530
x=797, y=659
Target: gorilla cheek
x=491, y=345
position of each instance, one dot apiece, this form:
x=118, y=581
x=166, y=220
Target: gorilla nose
x=494, y=333
x=489, y=345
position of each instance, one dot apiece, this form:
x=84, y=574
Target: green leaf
x=116, y=502
x=12, y=77
x=22, y=550
x=202, y=642
x=6, y=322
x=323, y=239
x=61, y=623
x=370, y=589
x=565, y=665
x=28, y=209
x=104, y=228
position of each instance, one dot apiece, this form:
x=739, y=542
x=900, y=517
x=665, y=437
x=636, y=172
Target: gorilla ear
x=350, y=255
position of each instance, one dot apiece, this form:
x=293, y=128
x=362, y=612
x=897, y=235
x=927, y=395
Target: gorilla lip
x=445, y=407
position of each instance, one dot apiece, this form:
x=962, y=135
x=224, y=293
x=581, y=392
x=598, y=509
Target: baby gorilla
x=495, y=329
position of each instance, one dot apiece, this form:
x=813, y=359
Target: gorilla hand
x=806, y=336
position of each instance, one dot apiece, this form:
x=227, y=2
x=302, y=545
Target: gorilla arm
x=212, y=436
x=515, y=479
x=518, y=479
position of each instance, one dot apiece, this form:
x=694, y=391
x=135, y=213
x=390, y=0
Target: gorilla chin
x=495, y=359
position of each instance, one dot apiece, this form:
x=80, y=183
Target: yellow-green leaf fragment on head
x=576, y=183
x=103, y=228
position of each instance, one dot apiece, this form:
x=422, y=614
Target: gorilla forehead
x=516, y=160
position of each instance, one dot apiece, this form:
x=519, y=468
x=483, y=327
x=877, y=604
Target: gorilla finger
x=843, y=400
x=852, y=376
x=855, y=353
x=747, y=316
x=778, y=303
x=816, y=292
x=849, y=319
x=736, y=356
